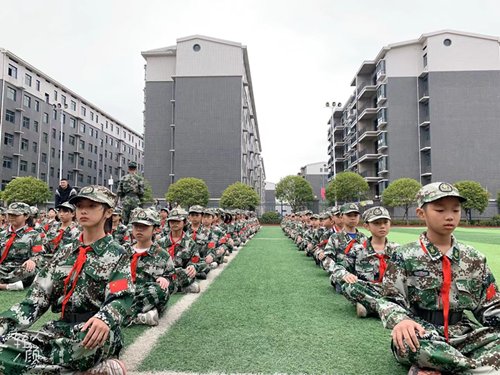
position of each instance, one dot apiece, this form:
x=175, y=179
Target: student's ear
x=108, y=213
x=366, y=226
x=420, y=213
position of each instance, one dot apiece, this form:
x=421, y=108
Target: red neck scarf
x=171, y=249
x=7, y=246
x=133, y=264
x=75, y=273
x=58, y=239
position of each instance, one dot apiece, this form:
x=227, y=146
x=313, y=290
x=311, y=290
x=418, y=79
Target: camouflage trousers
x=13, y=272
x=147, y=297
x=471, y=350
x=363, y=292
x=128, y=204
x=55, y=349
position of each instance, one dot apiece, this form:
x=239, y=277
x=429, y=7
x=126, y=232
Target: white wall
x=160, y=68
x=404, y=61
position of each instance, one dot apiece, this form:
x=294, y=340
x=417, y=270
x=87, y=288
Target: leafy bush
x=493, y=222
x=270, y=217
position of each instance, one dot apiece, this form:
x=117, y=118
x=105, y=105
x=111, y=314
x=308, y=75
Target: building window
x=84, y=111
x=71, y=140
x=95, y=165
x=43, y=176
x=89, y=163
x=80, y=177
x=8, y=139
x=82, y=145
x=72, y=122
x=70, y=176
x=95, y=181
x=24, y=144
x=26, y=122
x=82, y=128
x=71, y=158
x=45, y=118
x=81, y=161
x=51, y=171
x=46, y=137
x=110, y=155
x=27, y=80
x=33, y=167
x=55, y=95
x=27, y=101
x=64, y=118
x=44, y=157
x=100, y=172
x=447, y=42
x=89, y=180
x=35, y=146
x=23, y=166
x=54, y=114
x=10, y=116
x=63, y=99
x=11, y=93
x=37, y=85
x=37, y=105
x=53, y=133
x=12, y=71
x=91, y=116
x=35, y=126
x=73, y=105
x=53, y=152
x=7, y=162
x=425, y=60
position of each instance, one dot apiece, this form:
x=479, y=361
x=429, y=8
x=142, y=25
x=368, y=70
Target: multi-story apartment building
x=426, y=109
x=317, y=175
x=42, y=120
x=200, y=118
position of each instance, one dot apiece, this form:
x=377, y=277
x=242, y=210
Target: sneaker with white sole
x=110, y=366
x=214, y=265
x=193, y=288
x=18, y=285
x=361, y=310
x=149, y=318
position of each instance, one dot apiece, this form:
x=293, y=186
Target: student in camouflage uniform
x=61, y=232
x=361, y=271
x=218, y=237
x=340, y=243
x=326, y=220
x=130, y=191
x=152, y=269
x=181, y=249
x=200, y=236
x=21, y=249
x=428, y=286
x=89, y=283
x=119, y=231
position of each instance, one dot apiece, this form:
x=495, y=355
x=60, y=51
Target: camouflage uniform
x=18, y=247
x=183, y=253
x=416, y=286
x=130, y=191
x=121, y=234
x=148, y=268
x=103, y=289
x=56, y=237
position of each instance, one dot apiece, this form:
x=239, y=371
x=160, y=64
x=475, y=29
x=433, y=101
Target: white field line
x=270, y=239
x=136, y=352
x=187, y=373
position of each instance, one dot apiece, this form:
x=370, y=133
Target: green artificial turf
x=273, y=311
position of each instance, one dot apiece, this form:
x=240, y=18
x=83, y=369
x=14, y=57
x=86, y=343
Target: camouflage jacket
x=219, y=236
x=104, y=286
x=121, y=234
x=414, y=279
x=131, y=184
x=363, y=262
x=339, y=242
x=54, y=239
x=152, y=266
x=45, y=225
x=201, y=240
x=323, y=237
x=27, y=245
x=182, y=252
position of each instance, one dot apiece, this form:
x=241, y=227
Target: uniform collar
x=433, y=251
x=98, y=246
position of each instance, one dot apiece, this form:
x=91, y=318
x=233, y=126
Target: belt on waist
x=436, y=317
x=75, y=318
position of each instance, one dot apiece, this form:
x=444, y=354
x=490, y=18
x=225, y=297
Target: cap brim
x=145, y=222
x=77, y=199
x=378, y=217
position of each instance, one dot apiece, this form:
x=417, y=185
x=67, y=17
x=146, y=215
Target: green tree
x=295, y=190
x=476, y=195
x=29, y=190
x=401, y=193
x=239, y=195
x=147, y=198
x=188, y=192
x=346, y=187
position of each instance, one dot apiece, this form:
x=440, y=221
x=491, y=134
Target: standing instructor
x=130, y=191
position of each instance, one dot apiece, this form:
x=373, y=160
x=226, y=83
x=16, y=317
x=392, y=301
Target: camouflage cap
x=132, y=164
x=348, y=208
x=164, y=209
x=315, y=216
x=335, y=210
x=33, y=210
x=67, y=205
x=209, y=211
x=177, y=214
x=437, y=190
x=95, y=193
x=324, y=215
x=375, y=213
x=18, y=208
x=117, y=211
x=196, y=209
x=146, y=216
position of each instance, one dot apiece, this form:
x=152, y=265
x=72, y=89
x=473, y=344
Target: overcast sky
x=302, y=52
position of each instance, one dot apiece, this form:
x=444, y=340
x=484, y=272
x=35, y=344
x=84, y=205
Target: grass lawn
x=273, y=311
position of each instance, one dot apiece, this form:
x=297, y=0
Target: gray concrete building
x=317, y=175
x=426, y=109
x=200, y=118
x=42, y=120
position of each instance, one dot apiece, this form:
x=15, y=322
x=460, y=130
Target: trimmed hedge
x=270, y=217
